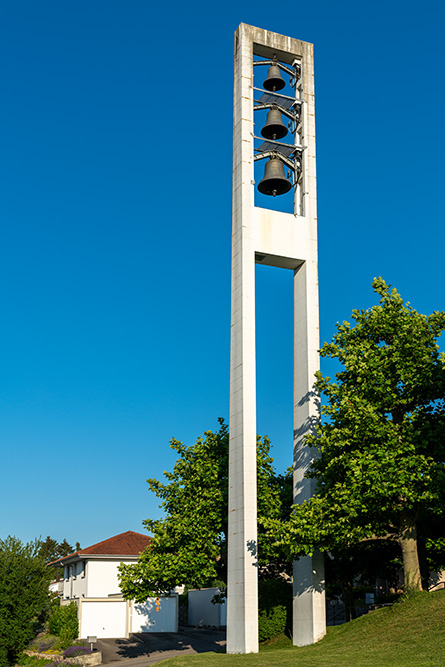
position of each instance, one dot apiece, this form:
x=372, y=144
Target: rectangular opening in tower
x=274, y=360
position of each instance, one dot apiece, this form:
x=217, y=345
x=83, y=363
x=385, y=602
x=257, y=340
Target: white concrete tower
x=287, y=240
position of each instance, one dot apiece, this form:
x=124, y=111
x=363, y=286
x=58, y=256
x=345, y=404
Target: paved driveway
x=149, y=648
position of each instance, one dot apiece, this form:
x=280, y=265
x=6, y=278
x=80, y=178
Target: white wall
x=201, y=610
x=152, y=617
x=102, y=578
x=92, y=579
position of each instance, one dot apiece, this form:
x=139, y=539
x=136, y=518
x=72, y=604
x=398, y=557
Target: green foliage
x=55, y=621
x=189, y=544
x=275, y=608
x=64, y=623
x=43, y=642
x=33, y=661
x=51, y=550
x=271, y=622
x=24, y=581
x=382, y=445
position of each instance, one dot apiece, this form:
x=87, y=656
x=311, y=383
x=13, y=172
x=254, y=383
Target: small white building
x=91, y=581
x=202, y=611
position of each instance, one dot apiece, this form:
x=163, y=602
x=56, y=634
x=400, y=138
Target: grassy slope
x=410, y=634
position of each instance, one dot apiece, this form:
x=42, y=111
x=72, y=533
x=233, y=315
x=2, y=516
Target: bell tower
x=274, y=222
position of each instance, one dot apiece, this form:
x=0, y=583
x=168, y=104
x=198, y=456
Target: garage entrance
x=104, y=619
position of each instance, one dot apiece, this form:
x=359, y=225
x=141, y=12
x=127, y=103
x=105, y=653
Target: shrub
x=64, y=623
x=24, y=580
x=272, y=622
x=275, y=608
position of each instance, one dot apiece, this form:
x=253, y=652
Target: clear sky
x=115, y=206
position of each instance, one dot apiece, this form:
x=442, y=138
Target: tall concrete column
x=289, y=241
x=309, y=613
x=242, y=599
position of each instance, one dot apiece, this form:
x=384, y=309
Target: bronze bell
x=274, y=181
x=274, y=80
x=274, y=127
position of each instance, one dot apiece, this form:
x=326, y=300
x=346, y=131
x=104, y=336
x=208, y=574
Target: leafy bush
x=63, y=622
x=24, y=580
x=43, y=642
x=55, y=620
x=271, y=622
x=275, y=608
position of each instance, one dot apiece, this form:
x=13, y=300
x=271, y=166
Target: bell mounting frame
x=291, y=108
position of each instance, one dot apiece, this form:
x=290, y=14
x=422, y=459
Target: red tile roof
x=125, y=544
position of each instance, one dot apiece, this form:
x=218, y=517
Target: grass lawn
x=409, y=634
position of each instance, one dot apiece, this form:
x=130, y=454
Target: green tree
x=382, y=447
x=51, y=550
x=65, y=549
x=189, y=545
x=24, y=595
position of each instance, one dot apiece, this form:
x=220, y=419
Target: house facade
x=90, y=580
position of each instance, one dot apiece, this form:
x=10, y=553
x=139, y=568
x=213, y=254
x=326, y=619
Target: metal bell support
x=274, y=81
x=274, y=127
x=274, y=182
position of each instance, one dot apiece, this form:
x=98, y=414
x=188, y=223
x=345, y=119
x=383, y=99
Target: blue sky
x=115, y=208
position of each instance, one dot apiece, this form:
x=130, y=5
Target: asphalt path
x=140, y=650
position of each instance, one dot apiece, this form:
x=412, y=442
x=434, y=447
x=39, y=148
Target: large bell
x=274, y=80
x=274, y=127
x=274, y=181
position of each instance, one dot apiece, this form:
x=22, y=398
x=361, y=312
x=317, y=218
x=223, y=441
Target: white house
x=91, y=581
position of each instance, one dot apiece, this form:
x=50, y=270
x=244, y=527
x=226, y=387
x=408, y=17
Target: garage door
x=107, y=620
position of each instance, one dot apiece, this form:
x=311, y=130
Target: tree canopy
x=189, y=544
x=24, y=595
x=51, y=549
x=382, y=444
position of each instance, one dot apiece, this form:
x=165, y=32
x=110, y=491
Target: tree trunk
x=348, y=599
x=408, y=544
